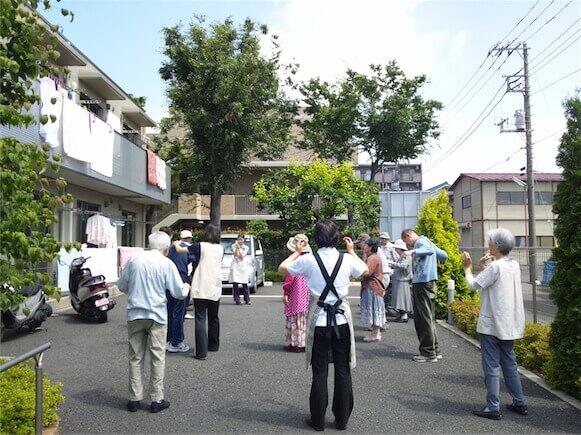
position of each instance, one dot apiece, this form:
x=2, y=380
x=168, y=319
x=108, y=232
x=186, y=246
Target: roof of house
x=508, y=176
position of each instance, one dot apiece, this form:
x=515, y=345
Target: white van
x=256, y=261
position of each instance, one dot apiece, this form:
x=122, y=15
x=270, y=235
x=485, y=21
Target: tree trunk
x=215, y=205
x=375, y=167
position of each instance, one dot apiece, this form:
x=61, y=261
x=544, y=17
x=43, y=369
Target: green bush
x=532, y=351
x=435, y=221
x=273, y=275
x=565, y=341
x=17, y=400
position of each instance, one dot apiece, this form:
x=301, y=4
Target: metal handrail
x=37, y=354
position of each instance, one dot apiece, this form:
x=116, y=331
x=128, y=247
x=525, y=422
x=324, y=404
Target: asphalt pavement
x=252, y=385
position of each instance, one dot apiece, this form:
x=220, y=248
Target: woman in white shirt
x=329, y=321
x=239, y=270
x=207, y=290
x=501, y=321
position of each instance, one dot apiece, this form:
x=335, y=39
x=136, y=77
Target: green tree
x=303, y=194
x=382, y=113
x=26, y=198
x=435, y=221
x=565, y=339
x=228, y=97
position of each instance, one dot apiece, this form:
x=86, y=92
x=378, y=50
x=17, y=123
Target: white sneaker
x=439, y=356
x=189, y=316
x=423, y=359
x=180, y=348
x=167, y=345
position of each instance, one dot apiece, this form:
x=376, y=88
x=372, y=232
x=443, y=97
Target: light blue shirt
x=425, y=261
x=145, y=280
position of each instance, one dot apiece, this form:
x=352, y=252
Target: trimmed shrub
x=533, y=351
x=17, y=400
x=465, y=316
x=273, y=275
x=435, y=221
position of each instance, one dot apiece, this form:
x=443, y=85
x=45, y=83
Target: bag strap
x=329, y=280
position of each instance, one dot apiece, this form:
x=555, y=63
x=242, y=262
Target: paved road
x=251, y=385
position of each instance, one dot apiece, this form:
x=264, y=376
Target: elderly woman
x=401, y=296
x=372, y=291
x=296, y=301
x=501, y=321
x=329, y=322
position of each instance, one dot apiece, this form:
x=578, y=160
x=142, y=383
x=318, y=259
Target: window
x=543, y=198
x=510, y=198
x=128, y=230
x=83, y=217
x=545, y=241
x=520, y=241
x=92, y=105
x=467, y=201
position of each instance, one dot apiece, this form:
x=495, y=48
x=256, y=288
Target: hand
x=485, y=260
x=466, y=260
x=285, y=299
x=349, y=245
x=408, y=253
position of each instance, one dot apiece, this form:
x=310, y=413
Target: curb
x=526, y=373
x=64, y=304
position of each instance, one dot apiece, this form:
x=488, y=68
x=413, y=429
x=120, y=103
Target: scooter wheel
x=102, y=317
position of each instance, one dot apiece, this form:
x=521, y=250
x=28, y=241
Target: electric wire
x=549, y=136
x=556, y=39
x=531, y=23
x=543, y=65
x=550, y=19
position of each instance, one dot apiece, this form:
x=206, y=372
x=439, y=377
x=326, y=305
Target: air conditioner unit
x=465, y=225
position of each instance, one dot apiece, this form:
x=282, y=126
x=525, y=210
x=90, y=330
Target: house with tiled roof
x=483, y=201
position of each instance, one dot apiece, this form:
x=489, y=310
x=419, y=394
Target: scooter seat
x=92, y=280
x=30, y=290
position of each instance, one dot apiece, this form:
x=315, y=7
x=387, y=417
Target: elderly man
x=425, y=274
x=176, y=308
x=145, y=280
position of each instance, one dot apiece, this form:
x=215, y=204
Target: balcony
x=233, y=207
x=129, y=175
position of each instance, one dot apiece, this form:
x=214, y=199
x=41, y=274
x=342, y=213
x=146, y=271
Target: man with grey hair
x=500, y=322
x=145, y=279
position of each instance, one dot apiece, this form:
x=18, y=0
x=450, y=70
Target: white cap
x=384, y=235
x=185, y=234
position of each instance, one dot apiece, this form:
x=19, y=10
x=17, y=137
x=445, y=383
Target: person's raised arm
x=283, y=267
x=423, y=248
x=174, y=284
x=177, y=244
x=359, y=267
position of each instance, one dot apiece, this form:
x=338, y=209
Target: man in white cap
x=176, y=308
x=387, y=254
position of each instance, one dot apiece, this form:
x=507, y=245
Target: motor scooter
x=89, y=294
x=30, y=313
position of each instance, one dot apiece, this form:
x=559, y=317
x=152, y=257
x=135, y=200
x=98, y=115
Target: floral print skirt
x=296, y=330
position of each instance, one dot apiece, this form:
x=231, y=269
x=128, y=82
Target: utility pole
x=524, y=88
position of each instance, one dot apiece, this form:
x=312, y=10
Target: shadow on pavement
x=264, y=347
x=292, y=417
x=101, y=398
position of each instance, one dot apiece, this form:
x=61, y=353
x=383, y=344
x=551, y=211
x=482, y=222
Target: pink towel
x=126, y=253
x=151, y=168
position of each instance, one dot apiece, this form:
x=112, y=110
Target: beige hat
x=363, y=237
x=185, y=234
x=384, y=235
x=400, y=244
x=292, y=243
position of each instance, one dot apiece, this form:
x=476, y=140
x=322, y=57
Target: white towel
x=77, y=140
x=114, y=121
x=160, y=170
x=98, y=230
x=102, y=137
x=51, y=132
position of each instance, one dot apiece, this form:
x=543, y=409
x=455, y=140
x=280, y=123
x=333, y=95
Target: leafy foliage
x=26, y=198
x=17, y=400
x=273, y=275
x=303, y=194
x=227, y=96
x=383, y=114
x=465, y=315
x=566, y=284
x=435, y=221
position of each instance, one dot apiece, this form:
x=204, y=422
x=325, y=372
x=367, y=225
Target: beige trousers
x=146, y=335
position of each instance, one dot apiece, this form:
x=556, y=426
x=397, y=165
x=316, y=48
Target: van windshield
x=227, y=245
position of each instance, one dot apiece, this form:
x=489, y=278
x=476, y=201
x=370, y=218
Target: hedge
x=17, y=400
x=272, y=275
x=532, y=351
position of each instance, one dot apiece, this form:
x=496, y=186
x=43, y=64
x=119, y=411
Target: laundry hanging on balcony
x=98, y=230
x=156, y=170
x=160, y=170
x=51, y=99
x=103, y=137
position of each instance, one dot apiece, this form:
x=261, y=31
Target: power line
x=467, y=134
x=540, y=67
x=556, y=39
x=550, y=19
x=557, y=81
x=520, y=21
x=506, y=159
x=551, y=135
x=532, y=22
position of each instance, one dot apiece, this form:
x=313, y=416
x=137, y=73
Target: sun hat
x=292, y=243
x=363, y=237
x=186, y=234
x=384, y=235
x=400, y=244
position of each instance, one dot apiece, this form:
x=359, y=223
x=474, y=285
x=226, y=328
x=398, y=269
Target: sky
x=446, y=40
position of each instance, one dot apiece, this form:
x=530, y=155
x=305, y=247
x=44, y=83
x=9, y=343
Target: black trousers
x=424, y=302
x=343, y=396
x=210, y=340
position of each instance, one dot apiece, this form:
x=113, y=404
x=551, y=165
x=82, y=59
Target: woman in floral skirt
x=296, y=303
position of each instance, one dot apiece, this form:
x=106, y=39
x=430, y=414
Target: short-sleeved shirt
x=373, y=281
x=501, y=302
x=306, y=265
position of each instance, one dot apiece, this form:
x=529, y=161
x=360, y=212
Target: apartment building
x=394, y=177
x=99, y=134
x=483, y=201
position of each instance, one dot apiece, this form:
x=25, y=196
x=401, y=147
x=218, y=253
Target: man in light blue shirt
x=145, y=280
x=425, y=274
